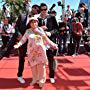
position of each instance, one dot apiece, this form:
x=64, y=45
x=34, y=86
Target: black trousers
x=5, y=40
x=52, y=62
x=76, y=40
x=62, y=46
x=22, y=54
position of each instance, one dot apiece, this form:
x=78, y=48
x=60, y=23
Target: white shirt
x=9, y=30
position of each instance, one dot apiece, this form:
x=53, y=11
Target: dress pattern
x=35, y=49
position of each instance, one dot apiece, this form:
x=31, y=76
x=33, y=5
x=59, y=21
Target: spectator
x=84, y=14
x=27, y=6
x=6, y=31
x=68, y=12
x=77, y=30
x=62, y=37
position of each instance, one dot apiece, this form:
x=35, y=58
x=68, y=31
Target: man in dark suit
x=21, y=27
x=49, y=23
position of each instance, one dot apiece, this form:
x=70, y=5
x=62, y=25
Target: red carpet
x=73, y=73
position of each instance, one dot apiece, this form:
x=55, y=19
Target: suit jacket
x=21, y=24
x=51, y=24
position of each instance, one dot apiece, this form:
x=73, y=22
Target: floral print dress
x=36, y=48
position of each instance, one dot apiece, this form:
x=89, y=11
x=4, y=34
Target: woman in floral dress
x=36, y=50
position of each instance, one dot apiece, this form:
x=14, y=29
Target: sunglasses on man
x=44, y=9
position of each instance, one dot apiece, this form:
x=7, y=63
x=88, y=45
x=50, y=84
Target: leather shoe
x=1, y=57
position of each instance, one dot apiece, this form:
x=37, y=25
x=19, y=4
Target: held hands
x=48, y=34
x=55, y=46
x=44, y=27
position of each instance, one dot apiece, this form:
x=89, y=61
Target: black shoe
x=1, y=57
x=61, y=54
x=75, y=54
x=7, y=55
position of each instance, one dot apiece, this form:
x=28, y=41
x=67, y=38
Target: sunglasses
x=36, y=8
x=44, y=9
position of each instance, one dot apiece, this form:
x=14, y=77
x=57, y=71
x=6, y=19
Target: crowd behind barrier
x=65, y=35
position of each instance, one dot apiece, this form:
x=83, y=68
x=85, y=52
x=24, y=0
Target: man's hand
x=44, y=27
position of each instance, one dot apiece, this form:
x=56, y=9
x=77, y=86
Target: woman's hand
x=55, y=46
x=48, y=34
x=17, y=45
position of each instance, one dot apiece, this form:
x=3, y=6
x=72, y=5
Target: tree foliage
x=16, y=7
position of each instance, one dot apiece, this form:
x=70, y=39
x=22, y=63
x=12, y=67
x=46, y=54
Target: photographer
x=83, y=10
x=62, y=37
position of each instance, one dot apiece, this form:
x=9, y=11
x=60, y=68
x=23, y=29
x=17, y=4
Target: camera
x=50, y=10
x=60, y=4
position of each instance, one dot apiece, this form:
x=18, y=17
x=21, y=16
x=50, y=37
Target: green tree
x=16, y=7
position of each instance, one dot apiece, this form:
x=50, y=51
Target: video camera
x=60, y=4
x=50, y=10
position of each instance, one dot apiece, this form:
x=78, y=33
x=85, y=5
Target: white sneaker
x=41, y=85
x=21, y=80
x=74, y=55
x=52, y=80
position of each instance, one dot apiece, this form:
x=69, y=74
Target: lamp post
x=63, y=9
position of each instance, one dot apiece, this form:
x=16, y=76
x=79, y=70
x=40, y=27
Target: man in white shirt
x=6, y=31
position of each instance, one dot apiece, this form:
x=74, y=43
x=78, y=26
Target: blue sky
x=72, y=3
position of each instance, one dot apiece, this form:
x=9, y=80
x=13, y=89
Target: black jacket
x=51, y=24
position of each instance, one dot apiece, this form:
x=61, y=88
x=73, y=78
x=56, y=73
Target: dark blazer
x=51, y=23
x=52, y=26
x=21, y=24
